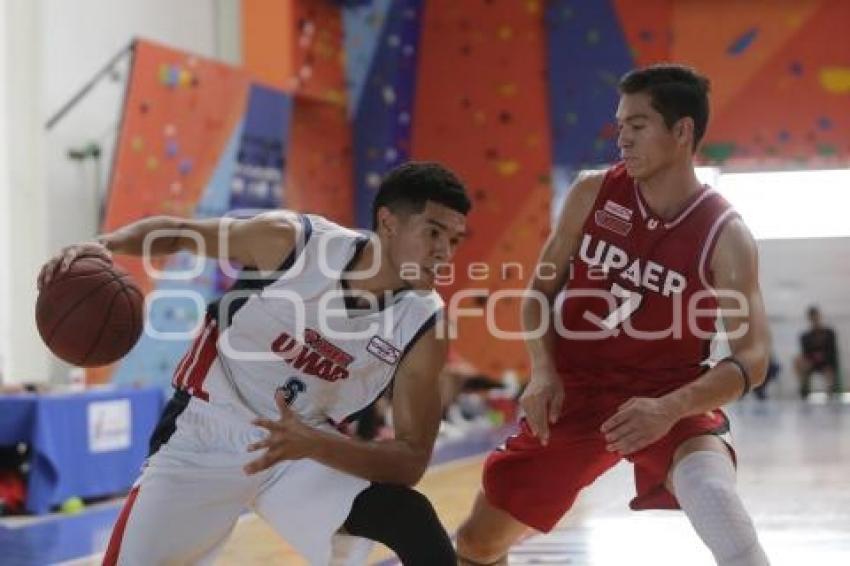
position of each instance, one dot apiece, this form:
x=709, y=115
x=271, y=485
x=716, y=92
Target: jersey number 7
x=631, y=302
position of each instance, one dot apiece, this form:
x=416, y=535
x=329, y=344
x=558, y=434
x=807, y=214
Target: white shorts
x=193, y=490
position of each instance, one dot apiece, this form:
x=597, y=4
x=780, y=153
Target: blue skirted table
x=83, y=444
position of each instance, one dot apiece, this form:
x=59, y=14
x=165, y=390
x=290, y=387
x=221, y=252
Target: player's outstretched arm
x=416, y=419
x=261, y=241
x=641, y=421
x=544, y=395
x=735, y=268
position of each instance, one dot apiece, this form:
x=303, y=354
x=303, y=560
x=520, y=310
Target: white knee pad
x=704, y=483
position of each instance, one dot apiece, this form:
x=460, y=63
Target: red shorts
x=537, y=485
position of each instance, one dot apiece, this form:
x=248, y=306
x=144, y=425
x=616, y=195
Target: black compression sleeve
x=404, y=520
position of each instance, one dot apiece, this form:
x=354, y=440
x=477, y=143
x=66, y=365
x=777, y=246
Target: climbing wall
x=518, y=96
x=481, y=108
x=198, y=139
x=297, y=47
x=382, y=47
x=780, y=74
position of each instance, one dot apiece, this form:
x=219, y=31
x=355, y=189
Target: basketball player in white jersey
x=322, y=320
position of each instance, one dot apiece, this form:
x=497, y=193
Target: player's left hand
x=288, y=439
x=638, y=422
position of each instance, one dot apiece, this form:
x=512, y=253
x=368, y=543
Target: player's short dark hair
x=408, y=187
x=676, y=91
x=813, y=311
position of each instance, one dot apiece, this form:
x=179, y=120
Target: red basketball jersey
x=629, y=311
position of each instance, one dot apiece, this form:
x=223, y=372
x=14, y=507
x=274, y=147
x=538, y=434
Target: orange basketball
x=92, y=314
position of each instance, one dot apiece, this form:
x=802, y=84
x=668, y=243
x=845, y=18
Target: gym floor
x=793, y=476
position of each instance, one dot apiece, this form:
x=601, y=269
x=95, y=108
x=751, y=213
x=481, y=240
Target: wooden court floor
x=794, y=476
x=450, y=487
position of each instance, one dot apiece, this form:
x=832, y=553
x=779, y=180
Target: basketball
x=91, y=315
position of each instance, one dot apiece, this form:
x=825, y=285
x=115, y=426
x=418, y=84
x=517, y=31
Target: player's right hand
x=63, y=260
x=542, y=401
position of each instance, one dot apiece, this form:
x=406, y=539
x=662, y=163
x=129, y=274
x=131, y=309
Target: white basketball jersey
x=296, y=335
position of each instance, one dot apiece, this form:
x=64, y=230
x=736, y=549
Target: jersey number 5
x=291, y=389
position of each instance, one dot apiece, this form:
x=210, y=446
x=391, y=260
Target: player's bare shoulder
x=587, y=186
x=268, y=237
x=735, y=256
x=563, y=241
x=275, y=223
x=578, y=204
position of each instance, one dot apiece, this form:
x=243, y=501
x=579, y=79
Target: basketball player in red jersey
x=649, y=257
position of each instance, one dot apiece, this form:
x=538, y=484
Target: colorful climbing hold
x=835, y=80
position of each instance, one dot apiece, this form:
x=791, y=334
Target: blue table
x=86, y=444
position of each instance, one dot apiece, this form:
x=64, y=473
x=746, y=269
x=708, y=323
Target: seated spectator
x=818, y=355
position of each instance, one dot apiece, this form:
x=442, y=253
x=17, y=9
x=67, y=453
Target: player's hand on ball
x=288, y=439
x=63, y=260
x=542, y=401
x=639, y=422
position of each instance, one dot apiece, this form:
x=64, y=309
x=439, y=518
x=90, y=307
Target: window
x=790, y=204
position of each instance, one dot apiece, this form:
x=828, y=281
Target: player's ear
x=388, y=222
x=683, y=130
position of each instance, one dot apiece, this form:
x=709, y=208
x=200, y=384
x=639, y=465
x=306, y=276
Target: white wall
x=4, y=203
x=72, y=41
x=24, y=211
x=79, y=38
x=798, y=273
